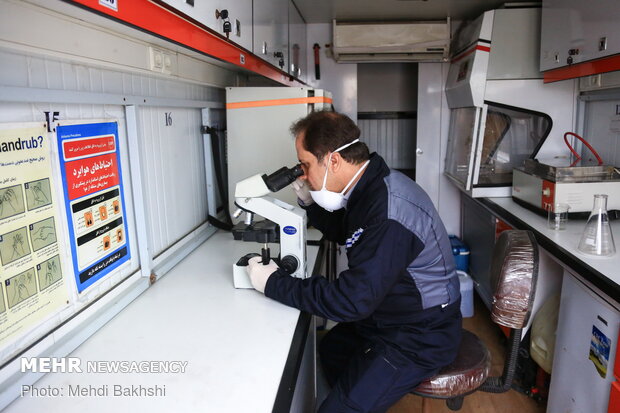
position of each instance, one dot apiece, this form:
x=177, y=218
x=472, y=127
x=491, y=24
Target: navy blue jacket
x=401, y=279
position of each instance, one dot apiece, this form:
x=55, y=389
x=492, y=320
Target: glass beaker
x=557, y=215
x=597, y=238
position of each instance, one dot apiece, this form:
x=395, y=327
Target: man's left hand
x=259, y=273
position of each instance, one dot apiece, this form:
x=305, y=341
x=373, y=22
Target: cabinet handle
x=279, y=55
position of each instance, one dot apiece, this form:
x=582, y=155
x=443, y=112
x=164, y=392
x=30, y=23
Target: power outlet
x=161, y=61
x=156, y=59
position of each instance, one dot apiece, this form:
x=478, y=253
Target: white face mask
x=332, y=201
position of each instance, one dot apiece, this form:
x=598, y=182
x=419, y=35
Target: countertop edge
x=599, y=280
x=286, y=389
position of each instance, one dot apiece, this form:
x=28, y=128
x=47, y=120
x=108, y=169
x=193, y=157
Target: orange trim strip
x=594, y=67
x=470, y=51
x=278, y=102
x=155, y=19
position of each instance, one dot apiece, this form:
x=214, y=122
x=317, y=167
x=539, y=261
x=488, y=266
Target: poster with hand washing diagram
x=29, y=231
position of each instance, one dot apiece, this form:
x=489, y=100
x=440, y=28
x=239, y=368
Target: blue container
x=460, y=252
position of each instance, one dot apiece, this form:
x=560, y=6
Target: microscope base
x=240, y=277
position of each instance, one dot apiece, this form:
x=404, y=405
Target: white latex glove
x=303, y=191
x=259, y=273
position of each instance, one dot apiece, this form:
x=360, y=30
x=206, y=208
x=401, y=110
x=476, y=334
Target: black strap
x=219, y=224
x=223, y=191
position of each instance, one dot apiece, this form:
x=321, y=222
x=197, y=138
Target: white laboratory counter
x=602, y=272
x=588, y=316
x=236, y=344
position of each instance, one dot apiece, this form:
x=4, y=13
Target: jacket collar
x=377, y=168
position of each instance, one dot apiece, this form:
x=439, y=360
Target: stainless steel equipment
x=542, y=185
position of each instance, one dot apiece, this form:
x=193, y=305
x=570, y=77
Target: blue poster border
x=120, y=255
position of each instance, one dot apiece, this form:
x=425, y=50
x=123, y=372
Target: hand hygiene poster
x=32, y=282
x=94, y=200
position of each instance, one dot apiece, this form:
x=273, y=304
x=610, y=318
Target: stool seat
x=514, y=271
x=464, y=375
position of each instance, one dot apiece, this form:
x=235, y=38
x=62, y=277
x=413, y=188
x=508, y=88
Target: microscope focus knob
x=289, y=263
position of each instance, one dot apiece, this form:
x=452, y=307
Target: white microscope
x=283, y=223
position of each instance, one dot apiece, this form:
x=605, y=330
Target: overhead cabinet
x=577, y=31
x=206, y=12
x=271, y=32
x=297, y=43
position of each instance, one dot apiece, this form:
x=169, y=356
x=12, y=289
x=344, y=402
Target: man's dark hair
x=326, y=131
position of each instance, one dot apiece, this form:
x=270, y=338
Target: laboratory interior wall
x=602, y=127
x=387, y=100
x=27, y=71
x=425, y=95
x=387, y=87
x=338, y=78
x=51, y=66
x=173, y=162
x=432, y=139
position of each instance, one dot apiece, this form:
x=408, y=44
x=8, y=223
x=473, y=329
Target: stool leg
x=426, y=405
x=455, y=403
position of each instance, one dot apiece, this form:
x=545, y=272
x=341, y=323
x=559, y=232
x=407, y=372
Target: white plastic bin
x=467, y=294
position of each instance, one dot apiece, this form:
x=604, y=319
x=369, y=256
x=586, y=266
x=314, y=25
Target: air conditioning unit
x=360, y=42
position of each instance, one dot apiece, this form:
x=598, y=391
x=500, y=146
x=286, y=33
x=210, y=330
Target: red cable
x=574, y=152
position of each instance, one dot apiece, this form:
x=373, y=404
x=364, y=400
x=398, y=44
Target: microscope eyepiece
x=282, y=177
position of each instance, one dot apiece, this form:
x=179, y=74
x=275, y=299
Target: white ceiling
x=323, y=11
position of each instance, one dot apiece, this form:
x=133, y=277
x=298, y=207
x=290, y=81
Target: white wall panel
x=171, y=154
x=173, y=173
x=27, y=112
x=337, y=78
x=432, y=138
x=387, y=87
x=176, y=171
x=393, y=139
x=602, y=131
x=47, y=73
x=48, y=63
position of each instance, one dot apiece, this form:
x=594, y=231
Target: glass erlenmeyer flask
x=597, y=238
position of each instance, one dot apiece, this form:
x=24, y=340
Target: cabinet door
x=586, y=339
x=297, y=43
x=478, y=231
x=203, y=11
x=576, y=31
x=271, y=32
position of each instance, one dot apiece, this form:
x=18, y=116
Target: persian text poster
x=94, y=199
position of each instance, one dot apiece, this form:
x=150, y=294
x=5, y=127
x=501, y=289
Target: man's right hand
x=303, y=191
